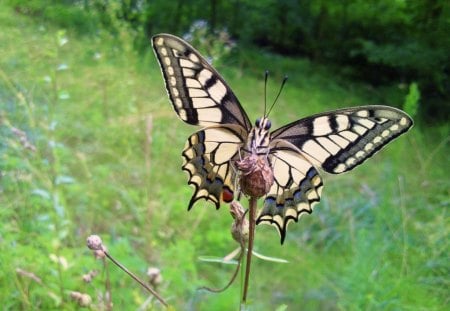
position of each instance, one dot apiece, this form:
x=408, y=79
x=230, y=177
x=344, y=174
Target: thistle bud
x=257, y=175
x=154, y=275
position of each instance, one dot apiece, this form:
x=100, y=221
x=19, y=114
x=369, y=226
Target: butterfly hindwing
x=340, y=140
x=297, y=187
x=207, y=159
x=198, y=93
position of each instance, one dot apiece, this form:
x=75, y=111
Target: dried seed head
x=87, y=278
x=94, y=242
x=99, y=254
x=83, y=300
x=257, y=175
x=154, y=275
x=240, y=225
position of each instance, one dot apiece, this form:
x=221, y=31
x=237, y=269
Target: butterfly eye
x=268, y=125
x=258, y=122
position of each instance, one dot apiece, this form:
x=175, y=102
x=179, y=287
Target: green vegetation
x=90, y=145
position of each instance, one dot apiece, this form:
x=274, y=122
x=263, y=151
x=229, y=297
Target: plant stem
x=251, y=237
x=107, y=286
x=153, y=292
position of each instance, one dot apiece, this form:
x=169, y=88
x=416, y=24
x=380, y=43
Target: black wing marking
x=198, y=93
x=340, y=140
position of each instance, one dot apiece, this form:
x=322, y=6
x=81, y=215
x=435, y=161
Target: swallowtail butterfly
x=336, y=141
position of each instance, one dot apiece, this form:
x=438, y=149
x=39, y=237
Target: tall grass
x=89, y=144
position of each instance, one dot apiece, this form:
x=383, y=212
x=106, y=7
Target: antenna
x=278, y=95
x=266, y=76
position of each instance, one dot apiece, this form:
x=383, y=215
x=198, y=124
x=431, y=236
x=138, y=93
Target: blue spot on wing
x=311, y=173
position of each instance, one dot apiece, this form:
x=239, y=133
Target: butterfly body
x=259, y=138
x=256, y=176
x=282, y=164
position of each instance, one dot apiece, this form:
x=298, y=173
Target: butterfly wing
x=198, y=93
x=200, y=96
x=297, y=187
x=337, y=141
x=342, y=139
x=207, y=159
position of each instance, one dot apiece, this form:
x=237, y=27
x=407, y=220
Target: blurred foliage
x=411, y=103
x=383, y=42
x=90, y=144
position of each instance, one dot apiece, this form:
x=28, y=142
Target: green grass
x=103, y=157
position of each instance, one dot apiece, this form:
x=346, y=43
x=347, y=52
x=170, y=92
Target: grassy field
x=90, y=145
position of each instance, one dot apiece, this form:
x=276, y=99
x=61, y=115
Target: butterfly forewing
x=198, y=93
x=342, y=139
x=200, y=96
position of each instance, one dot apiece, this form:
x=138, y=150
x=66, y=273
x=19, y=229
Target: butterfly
x=335, y=141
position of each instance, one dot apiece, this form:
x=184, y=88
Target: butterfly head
x=263, y=123
x=259, y=137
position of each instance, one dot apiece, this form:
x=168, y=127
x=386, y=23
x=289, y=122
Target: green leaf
x=63, y=179
x=281, y=308
x=217, y=260
x=42, y=193
x=63, y=95
x=267, y=258
x=411, y=103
